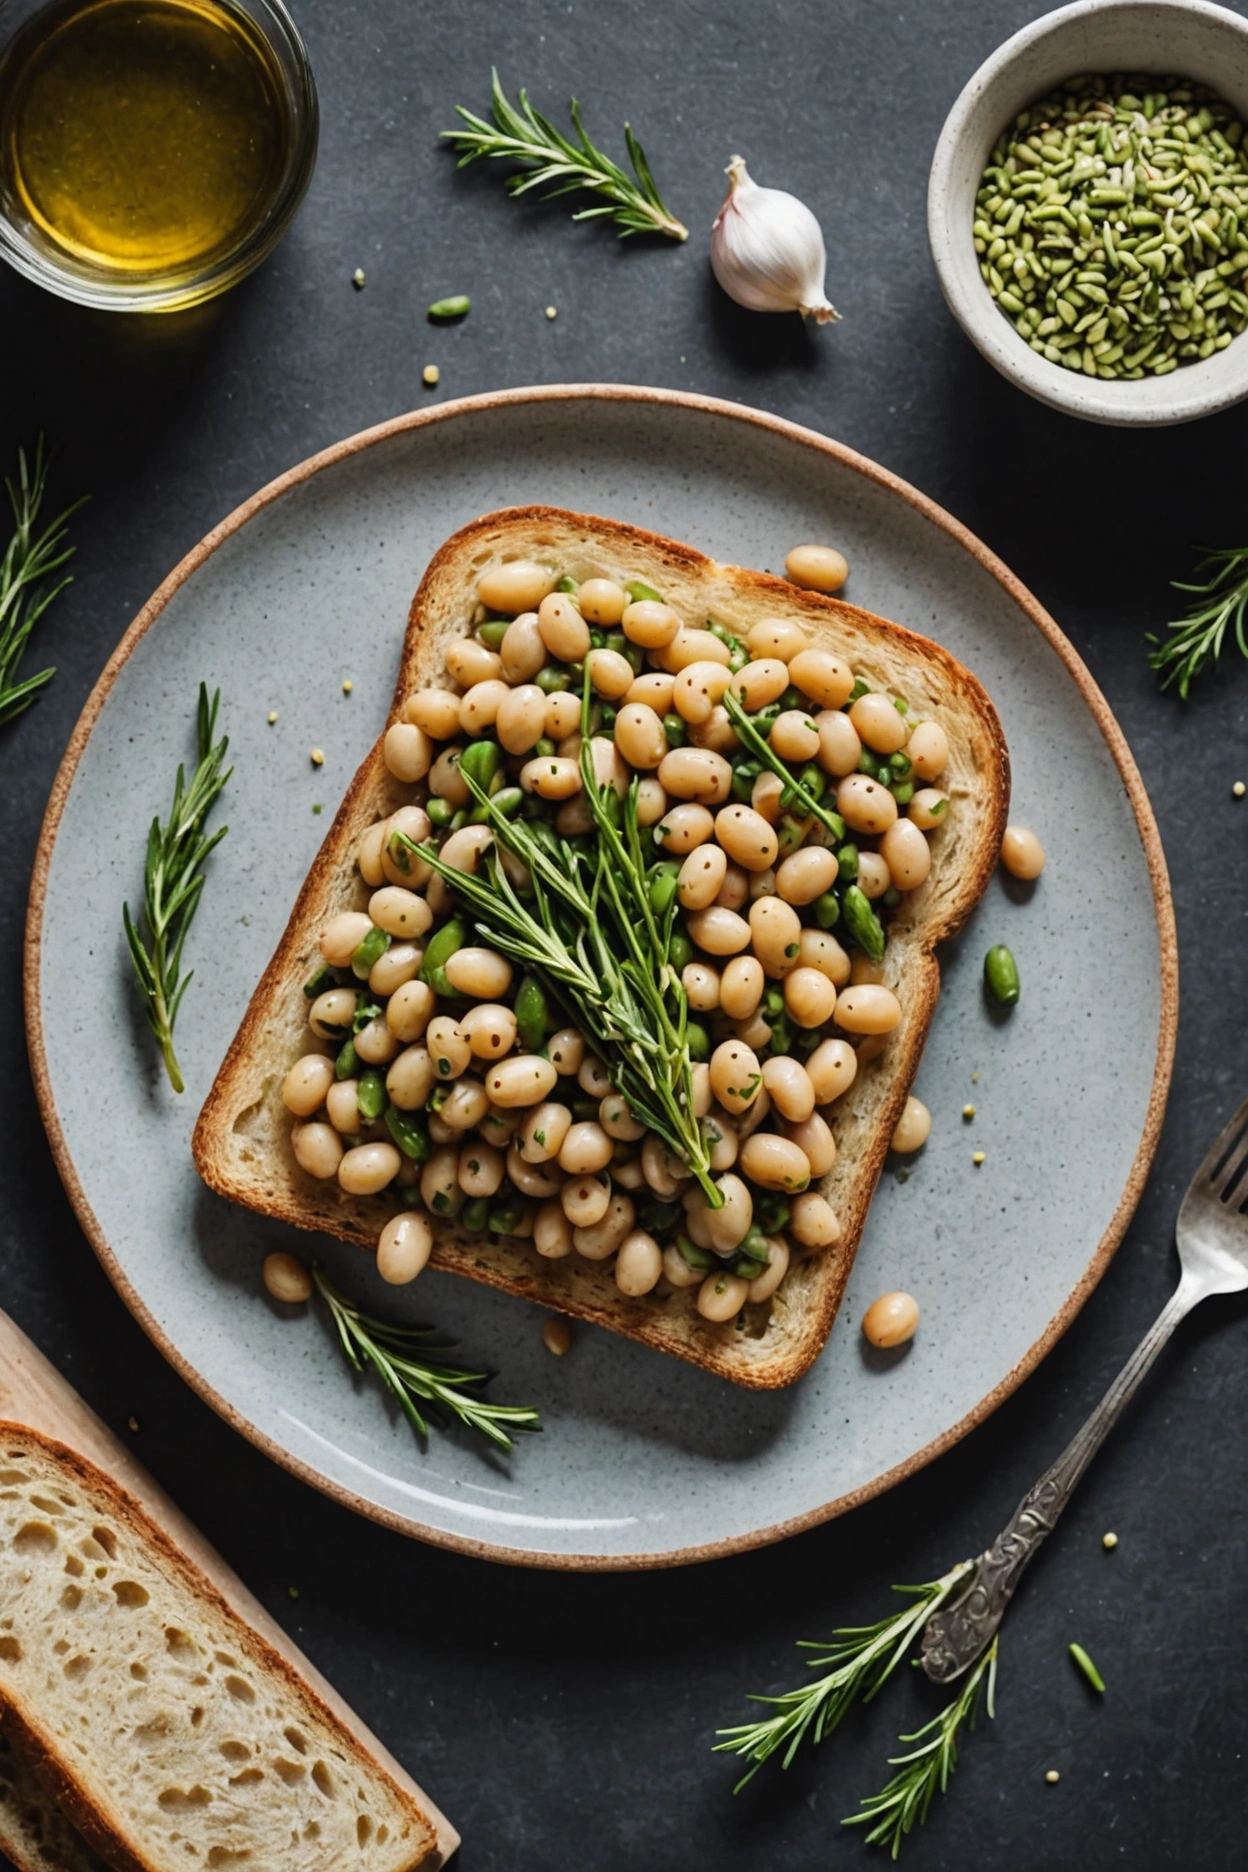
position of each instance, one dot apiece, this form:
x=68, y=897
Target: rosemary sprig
x=562, y=167
x=762, y=748
x=580, y=937
x=904, y=1803
x=26, y=587
x=1195, y=640
x=415, y=1376
x=863, y=1658
x=173, y=883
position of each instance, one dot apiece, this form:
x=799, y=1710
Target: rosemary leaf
x=904, y=1803
x=26, y=584
x=863, y=1658
x=173, y=882
x=418, y=1376
x=560, y=166
x=1195, y=640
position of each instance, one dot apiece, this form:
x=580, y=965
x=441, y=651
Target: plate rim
x=1036, y=614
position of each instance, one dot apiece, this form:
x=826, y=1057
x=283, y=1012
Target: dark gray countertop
x=566, y=1720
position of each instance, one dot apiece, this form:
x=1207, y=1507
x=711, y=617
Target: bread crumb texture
x=169, y=1729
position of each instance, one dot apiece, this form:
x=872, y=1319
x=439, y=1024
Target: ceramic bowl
x=1185, y=37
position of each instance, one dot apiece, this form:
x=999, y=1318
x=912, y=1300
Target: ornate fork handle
x=955, y=1635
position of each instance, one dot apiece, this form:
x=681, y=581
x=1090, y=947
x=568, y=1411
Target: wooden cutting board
x=34, y=1395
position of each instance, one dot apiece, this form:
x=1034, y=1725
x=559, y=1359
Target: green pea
x=346, y=1065
x=596, y=640
x=323, y=979
x=674, y=729
x=370, y=1094
x=452, y=936
x=507, y=800
x=567, y=586
x=475, y=1215
x=1001, y=975
x=860, y=688
x=755, y=1244
x=813, y=780
x=827, y=911
x=459, y=818
x=657, y=1216
x=747, y=1267
x=532, y=1014
x=504, y=1219
x=545, y=749
x=698, y=1041
x=773, y=1002
x=793, y=699
x=862, y=924
x=663, y=886
x=440, y=812
x=365, y=1011
x=781, y=1035
x=772, y=1214
x=869, y=764
x=370, y=950
x=790, y=834
x=480, y=762
x=847, y=864
x=638, y=591
x=900, y=763
x=766, y=718
x=679, y=950
x=456, y=307
x=553, y=679
x=903, y=792
x=493, y=632
x=408, y=1133
x=694, y=1256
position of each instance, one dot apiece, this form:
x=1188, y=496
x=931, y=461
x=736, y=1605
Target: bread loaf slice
x=242, y=1141
x=68, y=1477
x=35, y=1836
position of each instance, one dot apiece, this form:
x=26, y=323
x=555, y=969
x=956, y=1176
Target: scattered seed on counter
x=357, y=279
x=552, y=312
x=977, y=1159
x=557, y=1336
x=317, y=757
x=1239, y=789
x=133, y=1423
x=974, y=1078
x=968, y=1112
x=1109, y=1542
x=292, y=1592
x=272, y=716
x=347, y=685
x=317, y=807
x=1052, y=1777
x=430, y=374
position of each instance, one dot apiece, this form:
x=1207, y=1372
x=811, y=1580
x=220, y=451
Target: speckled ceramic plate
x=645, y=1461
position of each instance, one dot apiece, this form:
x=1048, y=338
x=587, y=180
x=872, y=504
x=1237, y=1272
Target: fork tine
x=1228, y=1176
x=1224, y=1156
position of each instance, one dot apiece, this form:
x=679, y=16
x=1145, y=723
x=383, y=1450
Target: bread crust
x=42, y=1749
x=241, y=1142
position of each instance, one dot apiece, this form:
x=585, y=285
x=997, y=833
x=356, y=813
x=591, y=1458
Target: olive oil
x=145, y=139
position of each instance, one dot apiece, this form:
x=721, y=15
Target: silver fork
x=1212, y=1234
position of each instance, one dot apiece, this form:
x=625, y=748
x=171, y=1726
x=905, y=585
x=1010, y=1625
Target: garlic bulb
x=767, y=250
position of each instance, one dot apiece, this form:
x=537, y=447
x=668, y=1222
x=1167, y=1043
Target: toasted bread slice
x=242, y=1141
x=162, y=1724
x=34, y=1833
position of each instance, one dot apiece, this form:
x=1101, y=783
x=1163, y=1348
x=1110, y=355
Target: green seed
x=1001, y=975
x=438, y=952
x=1088, y=1668
x=638, y=590
x=861, y=923
x=370, y=1095
x=371, y=950
x=453, y=308
x=1154, y=190
x=493, y=632
x=408, y=1133
x=532, y=1014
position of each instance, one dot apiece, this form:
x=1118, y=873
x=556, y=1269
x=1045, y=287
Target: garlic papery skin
x=767, y=250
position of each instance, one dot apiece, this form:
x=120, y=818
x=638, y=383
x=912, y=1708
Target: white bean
x=404, y=1247
x=407, y=751
x=368, y=1168
x=525, y=1079
x=307, y=1082
x=639, y=1263
x=317, y=1148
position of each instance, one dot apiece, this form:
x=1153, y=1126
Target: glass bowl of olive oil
x=152, y=152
